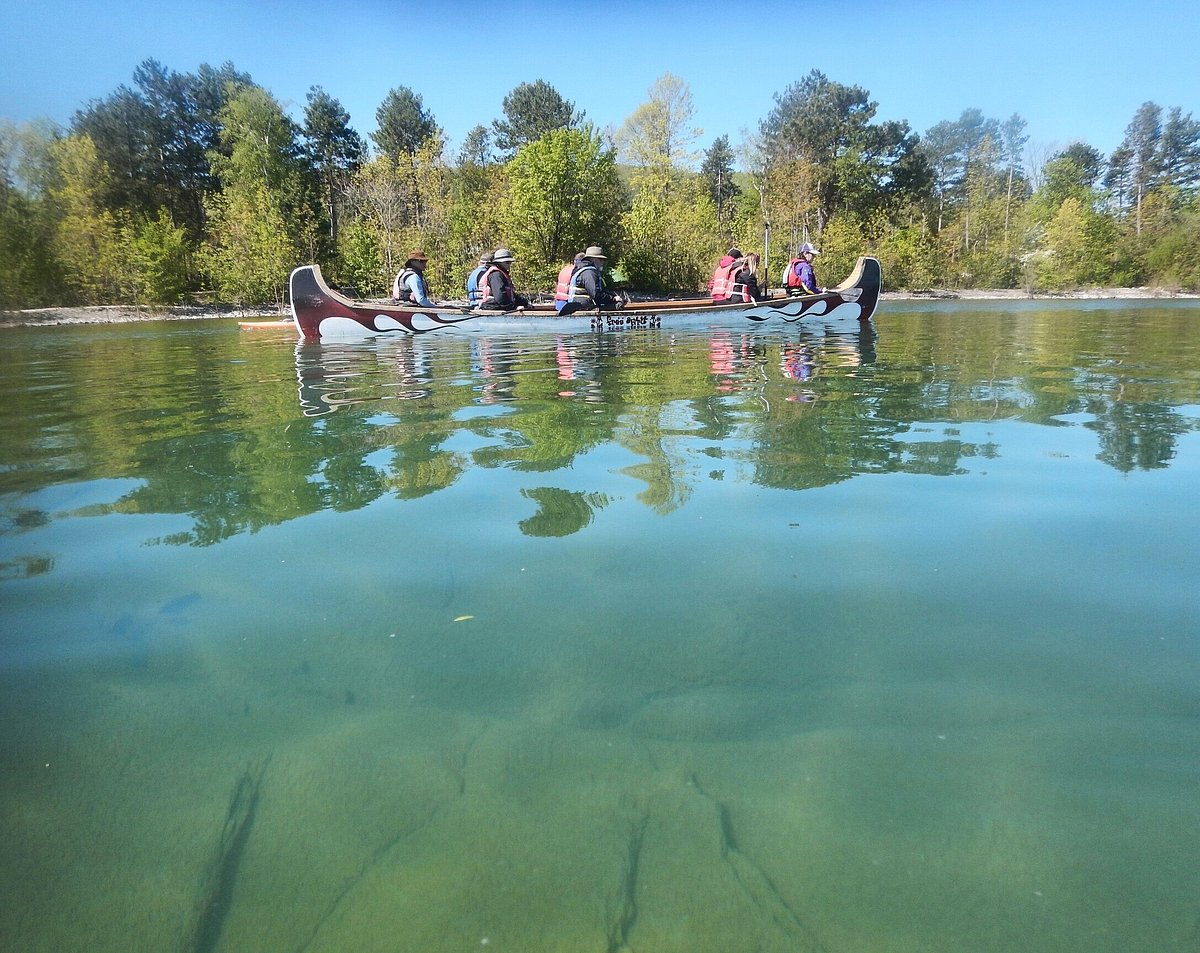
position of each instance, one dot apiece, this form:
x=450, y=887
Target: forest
x=199, y=187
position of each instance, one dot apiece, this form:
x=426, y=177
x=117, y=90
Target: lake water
x=670, y=642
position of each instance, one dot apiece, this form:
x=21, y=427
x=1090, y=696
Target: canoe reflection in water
x=333, y=375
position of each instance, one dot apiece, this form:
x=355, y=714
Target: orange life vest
x=724, y=288
x=564, y=288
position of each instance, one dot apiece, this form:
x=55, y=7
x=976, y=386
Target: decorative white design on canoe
x=338, y=328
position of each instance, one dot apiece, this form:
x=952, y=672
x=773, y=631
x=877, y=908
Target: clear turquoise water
x=706, y=640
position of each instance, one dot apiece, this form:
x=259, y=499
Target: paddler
x=584, y=288
x=800, y=278
x=499, y=294
x=409, y=286
x=474, y=291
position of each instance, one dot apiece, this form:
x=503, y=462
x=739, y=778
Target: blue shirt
x=416, y=284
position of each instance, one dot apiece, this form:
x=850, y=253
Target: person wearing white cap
x=800, y=279
x=585, y=289
x=499, y=293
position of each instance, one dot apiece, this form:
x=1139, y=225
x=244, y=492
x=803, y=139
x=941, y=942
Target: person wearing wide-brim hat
x=586, y=290
x=409, y=286
x=499, y=293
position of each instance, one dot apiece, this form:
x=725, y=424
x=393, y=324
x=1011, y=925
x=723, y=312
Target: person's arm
x=416, y=284
x=808, y=280
x=496, y=291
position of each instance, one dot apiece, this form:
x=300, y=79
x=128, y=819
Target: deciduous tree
x=564, y=194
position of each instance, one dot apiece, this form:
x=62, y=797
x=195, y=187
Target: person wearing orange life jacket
x=799, y=279
x=562, y=290
x=583, y=287
x=499, y=293
x=735, y=278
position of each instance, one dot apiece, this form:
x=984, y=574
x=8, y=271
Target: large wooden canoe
x=321, y=314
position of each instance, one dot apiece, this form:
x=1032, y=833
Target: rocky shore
x=118, y=314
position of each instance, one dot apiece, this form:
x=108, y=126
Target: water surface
x=720, y=639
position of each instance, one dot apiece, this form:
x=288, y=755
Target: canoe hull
x=320, y=313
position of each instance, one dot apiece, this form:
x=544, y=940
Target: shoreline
x=123, y=314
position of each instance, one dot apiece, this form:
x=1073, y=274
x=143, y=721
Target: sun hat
x=485, y=258
x=502, y=254
x=416, y=256
x=806, y=248
x=595, y=251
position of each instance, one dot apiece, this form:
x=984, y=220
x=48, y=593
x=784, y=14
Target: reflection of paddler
x=566, y=363
x=720, y=354
x=796, y=363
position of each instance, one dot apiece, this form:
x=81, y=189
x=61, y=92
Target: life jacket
x=790, y=278
x=565, y=289
x=723, y=286
x=474, y=292
x=485, y=290
x=400, y=289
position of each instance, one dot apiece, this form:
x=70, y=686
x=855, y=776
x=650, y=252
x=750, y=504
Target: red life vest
x=485, y=288
x=791, y=279
x=723, y=286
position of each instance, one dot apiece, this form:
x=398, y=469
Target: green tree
x=1013, y=137
x=1140, y=149
x=1179, y=151
x=29, y=272
x=333, y=149
x=156, y=138
x=564, y=194
x=717, y=170
x=829, y=126
x=404, y=123
x=530, y=111
x=659, y=135
x=161, y=259
x=87, y=240
x=476, y=148
x=262, y=223
x=671, y=236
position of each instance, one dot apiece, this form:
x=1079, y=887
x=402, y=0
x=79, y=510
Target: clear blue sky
x=1073, y=70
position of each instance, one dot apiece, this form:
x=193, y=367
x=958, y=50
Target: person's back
x=565, y=286
x=474, y=279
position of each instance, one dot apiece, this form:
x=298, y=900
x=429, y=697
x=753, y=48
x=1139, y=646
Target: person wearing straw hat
x=586, y=289
x=409, y=286
x=499, y=293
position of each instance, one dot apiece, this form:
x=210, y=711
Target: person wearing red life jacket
x=800, y=278
x=583, y=288
x=499, y=293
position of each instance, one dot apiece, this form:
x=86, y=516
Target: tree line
x=185, y=185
